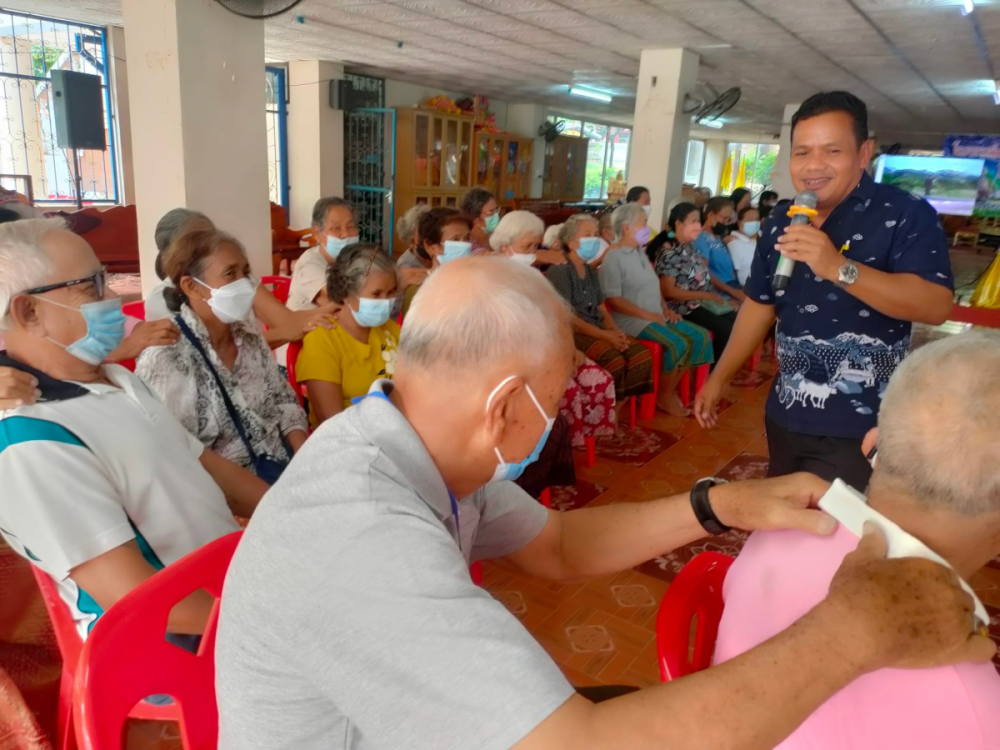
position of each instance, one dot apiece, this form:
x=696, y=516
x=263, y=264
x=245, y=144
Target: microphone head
x=807, y=198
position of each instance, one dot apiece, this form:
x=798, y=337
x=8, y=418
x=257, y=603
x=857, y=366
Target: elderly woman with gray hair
x=588, y=404
x=340, y=365
x=632, y=291
x=594, y=330
x=415, y=264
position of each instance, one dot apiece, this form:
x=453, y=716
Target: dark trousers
x=827, y=457
x=721, y=327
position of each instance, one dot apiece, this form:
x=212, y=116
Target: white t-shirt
x=742, y=248
x=91, y=467
x=156, y=305
x=308, y=280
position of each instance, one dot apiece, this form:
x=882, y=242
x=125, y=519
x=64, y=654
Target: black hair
x=6, y=215
x=715, y=205
x=473, y=203
x=432, y=224
x=835, y=101
x=635, y=193
x=738, y=195
x=680, y=212
x=767, y=195
x=744, y=211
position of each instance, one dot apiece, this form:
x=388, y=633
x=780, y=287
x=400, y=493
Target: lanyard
x=458, y=524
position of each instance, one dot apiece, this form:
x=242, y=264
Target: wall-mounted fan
x=258, y=8
x=551, y=130
x=713, y=106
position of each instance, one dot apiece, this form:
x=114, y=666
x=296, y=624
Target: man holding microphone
x=873, y=260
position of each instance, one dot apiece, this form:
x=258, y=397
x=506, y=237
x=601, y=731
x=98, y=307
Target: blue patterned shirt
x=836, y=353
x=720, y=262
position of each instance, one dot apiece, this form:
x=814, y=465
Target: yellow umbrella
x=741, y=179
x=727, y=177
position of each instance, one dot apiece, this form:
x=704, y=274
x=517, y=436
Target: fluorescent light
x=714, y=124
x=996, y=97
x=587, y=94
x=968, y=6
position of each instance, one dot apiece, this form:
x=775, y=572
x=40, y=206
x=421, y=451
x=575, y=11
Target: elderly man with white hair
x=102, y=487
x=936, y=477
x=349, y=619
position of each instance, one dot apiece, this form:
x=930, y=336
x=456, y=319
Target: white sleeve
x=58, y=506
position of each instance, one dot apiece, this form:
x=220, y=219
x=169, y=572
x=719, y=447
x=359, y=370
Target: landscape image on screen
x=949, y=185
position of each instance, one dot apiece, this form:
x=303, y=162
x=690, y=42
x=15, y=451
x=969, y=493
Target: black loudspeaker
x=78, y=102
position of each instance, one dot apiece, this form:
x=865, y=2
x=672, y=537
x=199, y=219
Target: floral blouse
x=265, y=401
x=689, y=269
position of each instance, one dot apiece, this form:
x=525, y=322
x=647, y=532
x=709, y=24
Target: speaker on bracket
x=78, y=102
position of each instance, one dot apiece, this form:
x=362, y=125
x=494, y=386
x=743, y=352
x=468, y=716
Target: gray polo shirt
x=349, y=619
x=629, y=274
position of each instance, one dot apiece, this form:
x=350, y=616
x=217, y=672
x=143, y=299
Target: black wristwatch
x=703, y=508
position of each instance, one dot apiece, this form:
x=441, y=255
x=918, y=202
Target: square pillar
x=196, y=99
x=715, y=160
x=315, y=138
x=118, y=66
x=524, y=120
x=781, y=179
x=661, y=129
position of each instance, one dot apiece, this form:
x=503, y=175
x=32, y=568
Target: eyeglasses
x=99, y=280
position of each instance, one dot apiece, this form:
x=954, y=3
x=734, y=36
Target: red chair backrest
x=126, y=657
x=696, y=592
x=280, y=287
x=135, y=309
x=291, y=357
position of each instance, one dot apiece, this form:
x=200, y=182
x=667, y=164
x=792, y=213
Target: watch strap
x=703, y=508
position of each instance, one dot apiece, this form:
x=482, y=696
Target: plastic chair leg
x=590, y=443
x=684, y=386
x=546, y=497
x=647, y=406
x=701, y=377
x=476, y=571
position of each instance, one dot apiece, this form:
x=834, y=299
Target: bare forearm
x=903, y=296
x=612, y=538
x=243, y=490
x=753, y=322
x=588, y=329
x=727, y=289
x=190, y=615
x=753, y=701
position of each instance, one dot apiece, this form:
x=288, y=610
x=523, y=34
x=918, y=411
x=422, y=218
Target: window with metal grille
x=276, y=110
x=31, y=47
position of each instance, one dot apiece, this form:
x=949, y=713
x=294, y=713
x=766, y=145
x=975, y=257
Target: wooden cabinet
x=503, y=165
x=565, y=168
x=434, y=158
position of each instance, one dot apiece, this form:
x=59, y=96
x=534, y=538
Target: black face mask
x=422, y=253
x=720, y=229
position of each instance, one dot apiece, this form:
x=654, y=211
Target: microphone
x=801, y=212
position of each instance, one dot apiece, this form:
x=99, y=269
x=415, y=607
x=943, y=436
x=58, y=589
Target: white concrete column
x=315, y=138
x=715, y=160
x=781, y=180
x=118, y=67
x=196, y=95
x=524, y=120
x=661, y=129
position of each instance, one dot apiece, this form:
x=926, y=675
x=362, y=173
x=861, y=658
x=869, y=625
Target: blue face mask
x=506, y=472
x=589, y=248
x=334, y=245
x=453, y=250
x=371, y=313
x=750, y=228
x=105, y=330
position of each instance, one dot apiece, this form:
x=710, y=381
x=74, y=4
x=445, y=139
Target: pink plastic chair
x=696, y=592
x=70, y=647
x=135, y=309
x=280, y=286
x=126, y=657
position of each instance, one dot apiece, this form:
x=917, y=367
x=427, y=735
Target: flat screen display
x=950, y=185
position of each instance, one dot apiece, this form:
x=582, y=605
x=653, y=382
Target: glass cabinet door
x=495, y=173
x=436, y=149
x=451, y=154
x=421, y=134
x=466, y=155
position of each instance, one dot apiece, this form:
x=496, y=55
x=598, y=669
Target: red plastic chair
x=126, y=657
x=135, y=309
x=695, y=592
x=647, y=410
x=70, y=647
x=291, y=357
x=280, y=287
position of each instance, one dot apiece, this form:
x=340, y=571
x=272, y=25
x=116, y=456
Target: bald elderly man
x=349, y=619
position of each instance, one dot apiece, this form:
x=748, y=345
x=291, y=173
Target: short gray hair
x=24, y=263
x=507, y=311
x=514, y=226
x=937, y=425
x=570, y=229
x=625, y=215
x=552, y=235
x=345, y=277
x=322, y=207
x=407, y=225
x=172, y=222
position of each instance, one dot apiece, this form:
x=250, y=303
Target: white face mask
x=233, y=302
x=525, y=259
x=648, y=210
